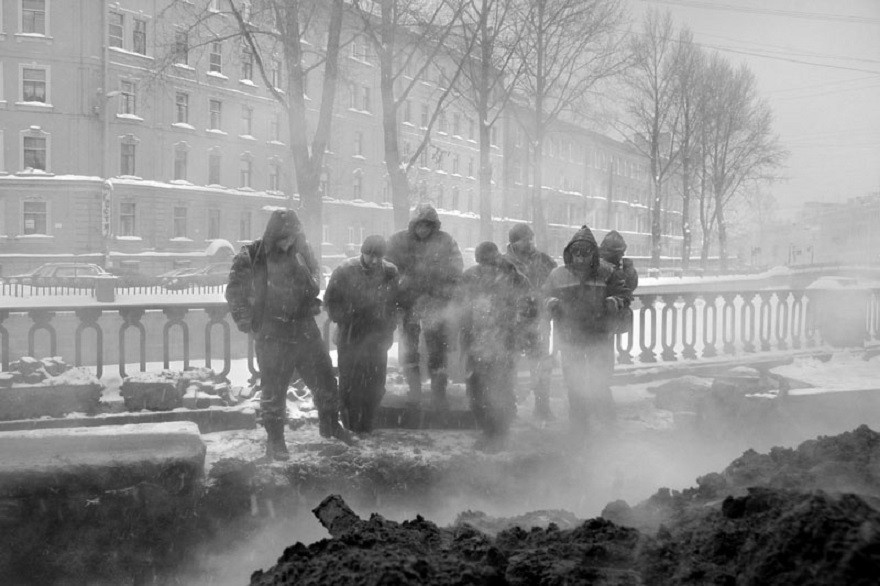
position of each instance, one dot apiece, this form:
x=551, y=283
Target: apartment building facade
x=131, y=137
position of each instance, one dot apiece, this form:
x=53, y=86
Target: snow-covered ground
x=846, y=371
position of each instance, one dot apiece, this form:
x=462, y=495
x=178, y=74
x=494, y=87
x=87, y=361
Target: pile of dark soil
x=804, y=516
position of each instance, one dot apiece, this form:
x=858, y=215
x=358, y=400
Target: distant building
x=125, y=138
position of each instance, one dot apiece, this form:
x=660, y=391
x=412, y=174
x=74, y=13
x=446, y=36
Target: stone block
x=171, y=455
x=159, y=391
x=53, y=397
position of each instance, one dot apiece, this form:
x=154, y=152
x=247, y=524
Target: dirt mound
x=804, y=516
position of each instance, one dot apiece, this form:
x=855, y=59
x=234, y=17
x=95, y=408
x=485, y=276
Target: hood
x=486, y=253
x=424, y=212
x=281, y=223
x=613, y=242
x=582, y=235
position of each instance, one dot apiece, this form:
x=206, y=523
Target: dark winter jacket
x=362, y=301
x=428, y=267
x=612, y=248
x=493, y=298
x=249, y=292
x=536, y=268
x=584, y=302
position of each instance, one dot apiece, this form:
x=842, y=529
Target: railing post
x=88, y=319
x=131, y=317
x=797, y=318
x=41, y=319
x=782, y=320
x=689, y=317
x=810, y=330
x=668, y=325
x=766, y=320
x=709, y=350
x=217, y=316
x=747, y=324
x=728, y=323
x=175, y=317
x=647, y=353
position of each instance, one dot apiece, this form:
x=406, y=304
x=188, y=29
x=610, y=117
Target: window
x=35, y=151
x=214, y=5
x=456, y=124
x=247, y=64
x=178, y=222
x=367, y=107
x=325, y=185
x=246, y=172
x=442, y=124
x=440, y=196
x=244, y=226
x=181, y=103
x=470, y=167
x=407, y=150
x=33, y=16
x=471, y=202
x=213, y=224
x=127, y=218
x=247, y=121
x=274, y=176
x=455, y=197
x=35, y=216
x=127, y=97
x=215, y=59
x=424, y=123
x=472, y=129
x=34, y=84
x=181, y=48
x=358, y=143
x=215, y=116
x=275, y=75
x=407, y=111
x=139, y=37
x=127, y=152
x=357, y=190
x=275, y=127
x=423, y=158
x=180, y=162
x=352, y=96
x=214, y=167
x=493, y=136
x=115, y=29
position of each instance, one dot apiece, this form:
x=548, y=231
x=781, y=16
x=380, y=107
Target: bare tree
x=652, y=105
x=689, y=67
x=568, y=47
x=488, y=77
x=738, y=145
x=410, y=36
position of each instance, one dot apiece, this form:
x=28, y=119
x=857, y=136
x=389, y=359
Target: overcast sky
x=818, y=64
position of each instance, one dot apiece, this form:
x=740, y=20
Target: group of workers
x=503, y=308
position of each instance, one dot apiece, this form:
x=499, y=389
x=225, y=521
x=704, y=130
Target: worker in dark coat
x=612, y=249
x=583, y=298
x=362, y=300
x=273, y=294
x=535, y=339
x=494, y=301
x=430, y=267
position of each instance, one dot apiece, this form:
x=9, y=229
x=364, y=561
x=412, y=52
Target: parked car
x=212, y=274
x=61, y=274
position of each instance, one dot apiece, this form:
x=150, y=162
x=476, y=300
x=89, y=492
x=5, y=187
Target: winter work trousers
x=536, y=345
x=587, y=369
x=436, y=339
x=362, y=367
x=489, y=385
x=298, y=346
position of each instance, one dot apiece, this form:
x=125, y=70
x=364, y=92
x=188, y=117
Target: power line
x=787, y=51
x=801, y=61
x=848, y=18
x=824, y=84
x=826, y=93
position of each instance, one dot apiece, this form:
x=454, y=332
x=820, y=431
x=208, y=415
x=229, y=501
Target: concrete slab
x=45, y=461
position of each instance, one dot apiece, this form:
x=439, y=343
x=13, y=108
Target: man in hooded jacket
x=273, y=294
x=612, y=249
x=362, y=299
x=495, y=305
x=534, y=339
x=583, y=297
x=430, y=267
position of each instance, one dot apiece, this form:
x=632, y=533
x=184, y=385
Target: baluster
x=782, y=320
x=797, y=318
x=624, y=351
x=41, y=319
x=689, y=317
x=668, y=325
x=766, y=324
x=131, y=318
x=4, y=341
x=647, y=353
x=810, y=334
x=217, y=316
x=747, y=324
x=709, y=343
x=875, y=302
x=88, y=319
x=175, y=317
x=728, y=322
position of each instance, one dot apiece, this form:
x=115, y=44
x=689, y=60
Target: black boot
x=438, y=391
x=276, y=446
x=329, y=427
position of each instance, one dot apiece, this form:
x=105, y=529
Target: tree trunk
x=656, y=221
x=704, y=251
x=485, y=184
x=539, y=220
x=685, y=214
x=722, y=235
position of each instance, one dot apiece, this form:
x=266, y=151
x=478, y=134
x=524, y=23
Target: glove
x=611, y=305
